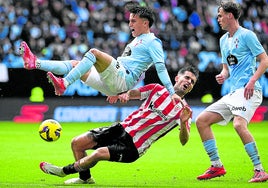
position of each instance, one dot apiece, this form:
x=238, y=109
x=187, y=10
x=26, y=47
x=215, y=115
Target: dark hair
x=231, y=7
x=191, y=69
x=142, y=12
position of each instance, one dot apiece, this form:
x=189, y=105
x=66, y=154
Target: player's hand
x=124, y=97
x=220, y=78
x=175, y=98
x=186, y=113
x=249, y=89
x=112, y=99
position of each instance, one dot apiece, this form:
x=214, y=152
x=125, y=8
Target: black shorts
x=118, y=141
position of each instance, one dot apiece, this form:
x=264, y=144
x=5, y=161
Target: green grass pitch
x=166, y=163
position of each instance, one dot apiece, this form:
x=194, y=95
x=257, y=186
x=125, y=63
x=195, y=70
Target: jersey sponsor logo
x=232, y=60
x=159, y=112
x=239, y=108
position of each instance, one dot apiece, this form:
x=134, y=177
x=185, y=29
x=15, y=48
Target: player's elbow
x=184, y=140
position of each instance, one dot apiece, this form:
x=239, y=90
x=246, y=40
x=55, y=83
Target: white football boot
x=79, y=181
x=52, y=169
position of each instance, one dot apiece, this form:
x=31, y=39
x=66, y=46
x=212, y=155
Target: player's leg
x=80, y=166
x=57, y=67
x=240, y=123
x=203, y=123
x=94, y=57
x=83, y=165
x=92, y=78
x=111, y=81
x=79, y=146
x=30, y=61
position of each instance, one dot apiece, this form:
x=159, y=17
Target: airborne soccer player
x=103, y=72
x=128, y=140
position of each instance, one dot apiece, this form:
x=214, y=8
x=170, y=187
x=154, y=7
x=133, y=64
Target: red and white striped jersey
x=156, y=117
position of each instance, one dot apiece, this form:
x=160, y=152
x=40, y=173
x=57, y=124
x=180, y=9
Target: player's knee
x=74, y=63
x=240, y=127
x=95, y=51
x=74, y=143
x=200, y=121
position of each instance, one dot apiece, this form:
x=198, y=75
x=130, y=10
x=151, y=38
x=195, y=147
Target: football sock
x=57, y=67
x=78, y=167
x=74, y=168
x=69, y=169
x=81, y=68
x=216, y=163
x=212, y=151
x=85, y=175
x=253, y=154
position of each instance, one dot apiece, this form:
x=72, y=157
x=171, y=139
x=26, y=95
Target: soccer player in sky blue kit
x=104, y=73
x=239, y=49
x=130, y=139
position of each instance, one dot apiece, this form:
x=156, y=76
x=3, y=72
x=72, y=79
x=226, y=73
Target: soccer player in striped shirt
x=128, y=140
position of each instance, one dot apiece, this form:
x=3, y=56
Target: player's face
x=184, y=83
x=223, y=18
x=138, y=25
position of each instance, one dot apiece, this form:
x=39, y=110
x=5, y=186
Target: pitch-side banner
x=22, y=110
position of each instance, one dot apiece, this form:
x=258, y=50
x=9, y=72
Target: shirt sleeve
x=253, y=43
x=146, y=90
x=157, y=54
x=164, y=77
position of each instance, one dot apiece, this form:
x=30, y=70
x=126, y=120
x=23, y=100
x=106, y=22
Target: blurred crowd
x=66, y=29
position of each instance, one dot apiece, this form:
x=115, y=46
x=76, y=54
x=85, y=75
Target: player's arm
x=131, y=94
x=157, y=54
x=124, y=97
x=134, y=94
x=139, y=93
x=185, y=120
x=263, y=65
x=224, y=74
x=164, y=77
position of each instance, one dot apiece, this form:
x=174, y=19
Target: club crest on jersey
x=236, y=42
x=178, y=107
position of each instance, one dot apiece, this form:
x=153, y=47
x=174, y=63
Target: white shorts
x=110, y=82
x=235, y=104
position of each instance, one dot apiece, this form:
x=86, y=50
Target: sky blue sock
x=81, y=68
x=57, y=67
x=253, y=153
x=211, y=149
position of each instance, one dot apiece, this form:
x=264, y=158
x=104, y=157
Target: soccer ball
x=50, y=130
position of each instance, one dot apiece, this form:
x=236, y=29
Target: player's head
x=231, y=7
x=191, y=69
x=141, y=11
x=185, y=80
